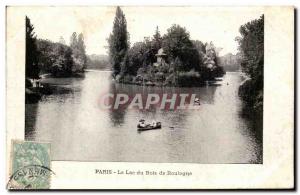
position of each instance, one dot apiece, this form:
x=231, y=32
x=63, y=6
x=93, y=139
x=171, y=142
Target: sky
x=217, y=24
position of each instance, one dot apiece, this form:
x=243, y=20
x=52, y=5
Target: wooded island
x=172, y=59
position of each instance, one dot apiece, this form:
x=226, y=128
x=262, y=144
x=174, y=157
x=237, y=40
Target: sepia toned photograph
x=150, y=97
x=145, y=84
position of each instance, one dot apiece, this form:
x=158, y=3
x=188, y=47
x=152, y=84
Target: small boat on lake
x=213, y=83
x=219, y=79
x=142, y=126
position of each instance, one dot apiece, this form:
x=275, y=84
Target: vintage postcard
x=150, y=97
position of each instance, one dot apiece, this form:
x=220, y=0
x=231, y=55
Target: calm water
x=78, y=129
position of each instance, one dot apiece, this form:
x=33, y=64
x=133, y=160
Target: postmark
x=30, y=166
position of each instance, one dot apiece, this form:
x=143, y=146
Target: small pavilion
x=161, y=57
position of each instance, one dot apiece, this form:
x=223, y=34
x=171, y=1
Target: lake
x=218, y=131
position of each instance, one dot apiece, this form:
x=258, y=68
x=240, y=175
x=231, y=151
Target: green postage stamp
x=30, y=165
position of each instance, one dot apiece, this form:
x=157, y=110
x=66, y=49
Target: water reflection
x=80, y=130
x=30, y=119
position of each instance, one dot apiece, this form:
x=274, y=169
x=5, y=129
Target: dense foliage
x=98, y=62
x=177, y=44
x=230, y=62
x=185, y=62
x=251, y=45
x=78, y=52
x=61, y=60
x=55, y=58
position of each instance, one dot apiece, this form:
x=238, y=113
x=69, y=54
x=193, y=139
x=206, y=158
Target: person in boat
x=197, y=101
x=153, y=124
x=142, y=123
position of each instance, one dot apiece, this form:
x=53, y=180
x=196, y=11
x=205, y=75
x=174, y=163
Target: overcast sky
x=206, y=24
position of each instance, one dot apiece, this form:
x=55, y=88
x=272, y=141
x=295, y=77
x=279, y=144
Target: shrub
x=245, y=89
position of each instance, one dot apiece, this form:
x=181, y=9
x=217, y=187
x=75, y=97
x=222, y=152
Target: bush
x=245, y=89
x=258, y=104
x=159, y=77
x=127, y=79
x=218, y=71
x=170, y=80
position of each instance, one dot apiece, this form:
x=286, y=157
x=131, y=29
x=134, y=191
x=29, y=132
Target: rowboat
x=149, y=127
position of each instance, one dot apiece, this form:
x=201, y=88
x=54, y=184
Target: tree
x=78, y=52
x=177, y=43
x=118, y=41
x=55, y=58
x=67, y=67
x=251, y=46
x=230, y=62
x=210, y=58
x=81, y=48
x=46, y=57
x=199, y=46
x=136, y=57
x=156, y=40
x=59, y=61
x=73, y=41
x=140, y=55
x=31, y=52
x=62, y=40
